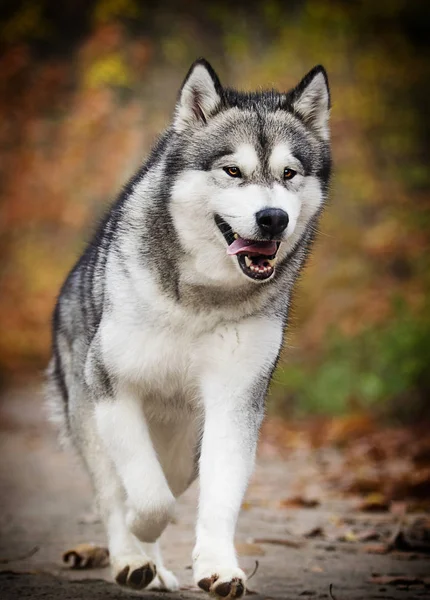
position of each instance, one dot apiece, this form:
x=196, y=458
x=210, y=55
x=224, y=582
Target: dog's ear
x=200, y=97
x=311, y=101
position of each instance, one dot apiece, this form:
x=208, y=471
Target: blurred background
x=86, y=86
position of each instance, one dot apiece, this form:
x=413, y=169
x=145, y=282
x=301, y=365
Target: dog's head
x=250, y=172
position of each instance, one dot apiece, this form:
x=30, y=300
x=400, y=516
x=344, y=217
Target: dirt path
x=45, y=497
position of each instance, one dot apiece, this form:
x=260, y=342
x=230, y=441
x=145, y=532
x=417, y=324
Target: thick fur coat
x=168, y=329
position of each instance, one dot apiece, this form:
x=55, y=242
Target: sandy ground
x=45, y=499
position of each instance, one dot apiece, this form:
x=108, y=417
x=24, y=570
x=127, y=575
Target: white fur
x=282, y=158
x=123, y=429
x=152, y=449
x=245, y=157
x=228, y=369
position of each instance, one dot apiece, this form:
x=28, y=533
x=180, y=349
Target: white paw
x=222, y=582
x=164, y=581
x=147, y=522
x=133, y=571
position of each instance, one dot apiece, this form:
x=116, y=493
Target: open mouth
x=257, y=259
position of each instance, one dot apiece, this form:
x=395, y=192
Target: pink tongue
x=241, y=246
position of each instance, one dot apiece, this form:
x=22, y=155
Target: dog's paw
x=164, y=581
x=134, y=571
x=87, y=556
x=224, y=583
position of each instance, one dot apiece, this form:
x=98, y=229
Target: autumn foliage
x=84, y=91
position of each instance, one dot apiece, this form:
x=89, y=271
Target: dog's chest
x=162, y=359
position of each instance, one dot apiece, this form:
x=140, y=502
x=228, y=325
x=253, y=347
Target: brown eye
x=233, y=171
x=289, y=173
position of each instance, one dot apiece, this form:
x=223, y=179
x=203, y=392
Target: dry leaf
x=376, y=549
x=374, y=503
x=279, y=542
x=299, y=502
x=317, y=570
x=343, y=429
x=349, y=536
x=412, y=537
x=368, y=535
x=400, y=580
x=87, y=556
x=249, y=549
x=314, y=533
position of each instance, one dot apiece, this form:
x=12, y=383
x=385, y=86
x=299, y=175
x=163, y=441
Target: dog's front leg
x=234, y=388
x=226, y=462
x=123, y=428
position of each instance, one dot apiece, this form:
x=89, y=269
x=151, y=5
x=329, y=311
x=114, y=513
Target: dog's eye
x=289, y=173
x=233, y=171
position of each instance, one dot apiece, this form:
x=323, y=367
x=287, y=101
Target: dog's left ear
x=201, y=97
x=311, y=101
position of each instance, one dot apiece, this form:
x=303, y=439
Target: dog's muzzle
x=256, y=258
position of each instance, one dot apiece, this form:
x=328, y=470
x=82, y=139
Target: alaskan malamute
x=168, y=328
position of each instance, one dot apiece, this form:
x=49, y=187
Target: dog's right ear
x=201, y=97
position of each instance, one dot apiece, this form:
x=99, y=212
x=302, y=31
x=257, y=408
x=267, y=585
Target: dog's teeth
x=272, y=262
x=248, y=261
x=235, y=235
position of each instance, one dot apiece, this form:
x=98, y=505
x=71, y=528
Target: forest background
x=85, y=88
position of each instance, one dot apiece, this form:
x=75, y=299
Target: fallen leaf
x=299, y=502
x=400, y=580
x=414, y=484
x=376, y=549
x=249, y=549
x=418, y=506
x=317, y=570
x=414, y=536
x=314, y=533
x=366, y=481
x=342, y=429
x=87, y=556
x=375, y=502
x=368, y=535
x=349, y=536
x=279, y=542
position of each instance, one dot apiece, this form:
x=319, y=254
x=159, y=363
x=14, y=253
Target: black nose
x=272, y=221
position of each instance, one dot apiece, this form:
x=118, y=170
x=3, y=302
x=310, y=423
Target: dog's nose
x=272, y=221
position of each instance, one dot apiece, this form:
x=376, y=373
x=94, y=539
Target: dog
x=167, y=330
